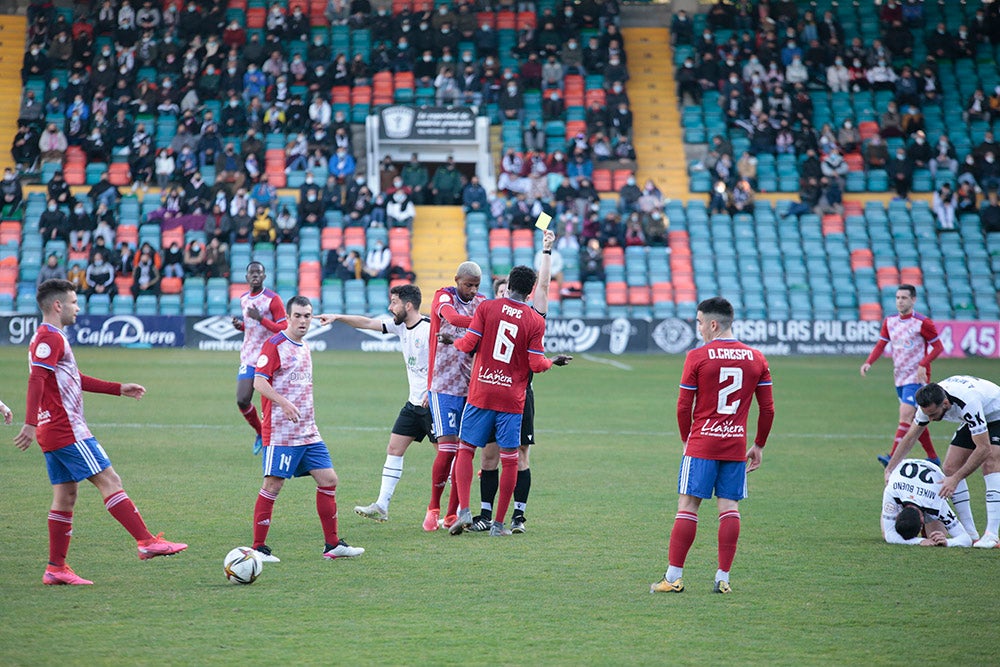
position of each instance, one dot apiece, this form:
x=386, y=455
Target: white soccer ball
x=243, y=565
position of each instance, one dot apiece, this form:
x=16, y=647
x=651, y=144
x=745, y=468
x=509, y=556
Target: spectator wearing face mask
x=173, y=261
x=100, y=276
x=400, y=210
x=311, y=209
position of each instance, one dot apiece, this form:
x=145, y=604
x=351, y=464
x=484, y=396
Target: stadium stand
x=838, y=264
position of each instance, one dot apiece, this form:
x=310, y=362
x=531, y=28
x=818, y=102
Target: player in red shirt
x=54, y=417
x=293, y=446
x=448, y=375
x=915, y=344
x=508, y=336
x=719, y=381
x=263, y=316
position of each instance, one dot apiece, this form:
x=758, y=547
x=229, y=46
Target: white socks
x=963, y=508
x=992, y=502
x=391, y=472
x=721, y=576
x=674, y=573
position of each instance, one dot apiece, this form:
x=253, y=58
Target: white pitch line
x=609, y=362
x=385, y=429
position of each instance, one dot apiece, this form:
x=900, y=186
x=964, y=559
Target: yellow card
x=543, y=221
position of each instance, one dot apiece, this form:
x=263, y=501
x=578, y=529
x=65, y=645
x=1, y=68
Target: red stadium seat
x=662, y=292
x=331, y=238
x=833, y=224
x=614, y=256
x=171, y=285
x=499, y=238
x=616, y=293
x=602, y=180
x=124, y=284
x=870, y=312
x=886, y=276
x=523, y=238
x=639, y=296
x=10, y=231
x=862, y=258
x=620, y=177
x=911, y=275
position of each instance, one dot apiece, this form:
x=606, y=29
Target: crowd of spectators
x=780, y=52
x=118, y=70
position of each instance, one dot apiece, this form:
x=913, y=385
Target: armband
x=546, y=252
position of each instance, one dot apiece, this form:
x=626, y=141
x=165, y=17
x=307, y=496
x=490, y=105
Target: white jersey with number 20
x=916, y=481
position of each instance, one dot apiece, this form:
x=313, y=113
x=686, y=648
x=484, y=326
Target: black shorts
x=414, y=422
x=528, y=418
x=963, y=438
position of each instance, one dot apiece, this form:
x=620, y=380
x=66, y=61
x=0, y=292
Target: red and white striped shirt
x=255, y=333
x=287, y=365
x=60, y=418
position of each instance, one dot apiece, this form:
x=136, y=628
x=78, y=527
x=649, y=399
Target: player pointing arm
x=414, y=421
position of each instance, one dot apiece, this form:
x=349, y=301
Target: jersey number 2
x=734, y=378
x=503, y=346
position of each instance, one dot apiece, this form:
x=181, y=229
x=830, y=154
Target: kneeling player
x=912, y=511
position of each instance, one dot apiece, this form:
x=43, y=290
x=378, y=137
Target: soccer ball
x=242, y=565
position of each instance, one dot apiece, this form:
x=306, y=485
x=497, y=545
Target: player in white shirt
x=911, y=506
x=974, y=403
x=414, y=420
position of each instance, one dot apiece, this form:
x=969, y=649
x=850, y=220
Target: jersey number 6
x=503, y=347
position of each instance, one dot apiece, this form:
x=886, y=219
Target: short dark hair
x=908, y=288
x=497, y=282
x=260, y=264
x=521, y=280
x=909, y=521
x=297, y=300
x=930, y=394
x=407, y=294
x=718, y=307
x=52, y=290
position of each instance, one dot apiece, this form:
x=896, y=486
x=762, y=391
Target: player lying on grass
x=975, y=404
x=913, y=512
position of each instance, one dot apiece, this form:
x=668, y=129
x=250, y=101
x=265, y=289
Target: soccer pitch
x=812, y=583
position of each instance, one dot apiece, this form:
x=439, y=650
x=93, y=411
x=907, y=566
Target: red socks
x=326, y=507
x=508, y=480
x=461, y=479
x=122, y=509
x=925, y=441
x=262, y=516
x=250, y=414
x=901, y=430
x=439, y=473
x=682, y=537
x=729, y=535
x=60, y=533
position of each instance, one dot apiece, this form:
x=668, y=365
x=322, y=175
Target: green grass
x=813, y=582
